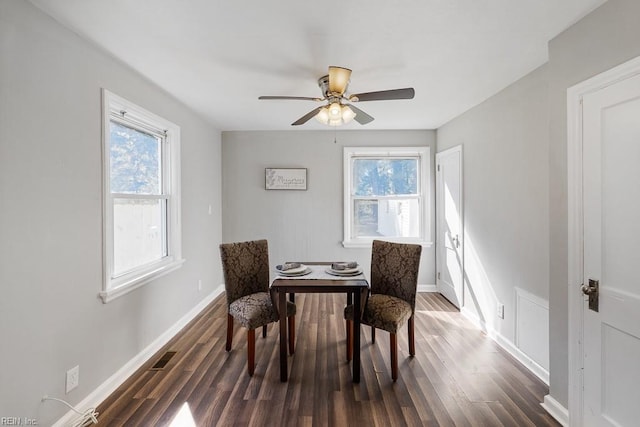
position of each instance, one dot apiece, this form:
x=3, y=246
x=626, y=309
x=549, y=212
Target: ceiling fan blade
x=361, y=117
x=300, y=98
x=338, y=79
x=304, y=119
x=384, y=95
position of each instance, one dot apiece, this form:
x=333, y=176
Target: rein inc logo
x=18, y=421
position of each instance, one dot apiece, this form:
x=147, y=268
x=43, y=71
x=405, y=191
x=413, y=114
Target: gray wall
x=51, y=317
x=301, y=225
x=506, y=212
x=510, y=132
x=607, y=37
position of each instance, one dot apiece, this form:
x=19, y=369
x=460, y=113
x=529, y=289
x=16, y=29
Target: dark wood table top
x=319, y=281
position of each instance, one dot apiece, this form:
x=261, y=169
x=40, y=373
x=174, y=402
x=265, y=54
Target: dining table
x=320, y=278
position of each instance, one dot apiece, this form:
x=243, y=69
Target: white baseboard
x=528, y=362
x=427, y=288
x=556, y=410
x=509, y=346
x=112, y=383
x=473, y=318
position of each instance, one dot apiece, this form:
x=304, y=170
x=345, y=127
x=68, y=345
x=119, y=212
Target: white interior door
x=449, y=229
x=611, y=183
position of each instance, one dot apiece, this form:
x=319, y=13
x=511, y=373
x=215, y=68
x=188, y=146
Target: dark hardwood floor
x=458, y=377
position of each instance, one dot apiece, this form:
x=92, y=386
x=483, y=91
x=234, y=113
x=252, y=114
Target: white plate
x=349, y=272
x=294, y=271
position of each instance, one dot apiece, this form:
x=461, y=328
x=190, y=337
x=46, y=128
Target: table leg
x=291, y=326
x=349, y=330
x=282, y=309
x=356, y=336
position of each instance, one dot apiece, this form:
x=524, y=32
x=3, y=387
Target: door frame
x=575, y=224
x=456, y=149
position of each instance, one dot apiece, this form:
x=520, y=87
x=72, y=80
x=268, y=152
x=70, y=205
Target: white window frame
x=114, y=106
x=423, y=154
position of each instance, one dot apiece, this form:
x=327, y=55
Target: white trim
x=114, y=287
x=575, y=223
x=508, y=346
x=525, y=299
x=475, y=319
x=424, y=188
x=105, y=389
x=556, y=410
x=125, y=288
x=427, y=288
x=538, y=370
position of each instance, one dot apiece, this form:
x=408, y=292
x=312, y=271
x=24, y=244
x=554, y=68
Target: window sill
x=367, y=243
x=141, y=280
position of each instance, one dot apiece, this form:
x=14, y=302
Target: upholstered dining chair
x=246, y=280
x=394, y=282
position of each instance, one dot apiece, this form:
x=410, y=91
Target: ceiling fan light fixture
x=347, y=114
x=323, y=116
x=335, y=115
x=338, y=79
x=335, y=111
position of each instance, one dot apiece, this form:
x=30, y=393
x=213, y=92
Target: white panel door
x=449, y=239
x=611, y=182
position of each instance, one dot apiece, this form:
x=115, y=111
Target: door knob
x=593, y=291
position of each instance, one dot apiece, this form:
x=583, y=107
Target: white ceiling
x=218, y=56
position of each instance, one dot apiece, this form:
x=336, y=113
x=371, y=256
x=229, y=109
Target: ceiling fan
x=338, y=108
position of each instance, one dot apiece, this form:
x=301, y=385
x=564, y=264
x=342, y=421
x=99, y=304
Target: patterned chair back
x=246, y=268
x=394, y=270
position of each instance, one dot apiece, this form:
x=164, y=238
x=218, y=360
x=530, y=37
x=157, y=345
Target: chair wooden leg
x=412, y=343
x=264, y=331
x=251, y=350
x=292, y=333
x=349, y=340
x=393, y=344
x=373, y=335
x=229, y=331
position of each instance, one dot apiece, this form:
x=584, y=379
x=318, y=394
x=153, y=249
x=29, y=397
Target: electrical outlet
x=73, y=378
x=500, y=310
x=199, y=285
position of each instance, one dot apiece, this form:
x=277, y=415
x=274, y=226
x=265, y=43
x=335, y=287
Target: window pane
x=365, y=218
x=389, y=218
x=139, y=235
x=384, y=177
x=135, y=161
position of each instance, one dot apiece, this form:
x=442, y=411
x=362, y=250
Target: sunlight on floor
x=183, y=418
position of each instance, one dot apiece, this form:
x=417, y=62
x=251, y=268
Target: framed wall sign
x=285, y=178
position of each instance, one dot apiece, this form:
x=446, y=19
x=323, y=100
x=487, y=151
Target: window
x=141, y=159
x=386, y=195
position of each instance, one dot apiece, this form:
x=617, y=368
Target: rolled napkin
x=343, y=265
x=288, y=266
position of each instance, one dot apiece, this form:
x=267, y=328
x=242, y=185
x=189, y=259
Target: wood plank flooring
x=458, y=377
